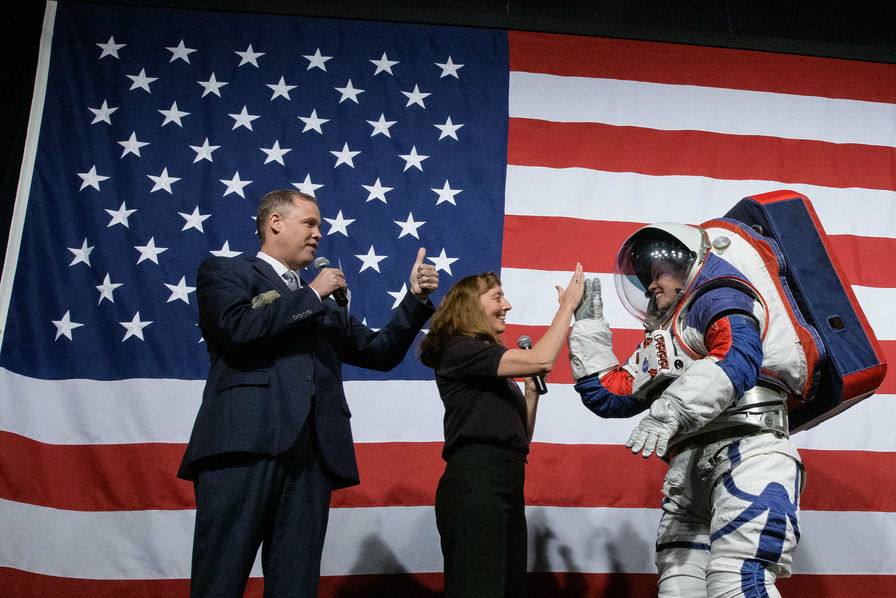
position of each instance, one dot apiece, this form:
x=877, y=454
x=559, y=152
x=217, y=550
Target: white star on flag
x=449, y=129
x=110, y=48
x=409, y=227
x=120, y=216
x=345, y=156
x=134, y=327
x=281, y=89
x=377, y=191
x=275, y=153
x=163, y=181
x=313, y=123
x=180, y=291
x=194, y=220
x=173, y=115
x=65, y=326
x=106, y=289
x=398, y=295
x=141, y=81
x=384, y=65
x=349, y=92
x=131, y=145
x=180, y=51
x=446, y=193
x=416, y=97
x=249, y=57
x=413, y=159
x=381, y=126
x=442, y=262
x=235, y=185
x=102, y=113
x=307, y=186
x=212, y=86
x=339, y=224
x=204, y=152
x=370, y=260
x=82, y=254
x=316, y=60
x=150, y=251
x=243, y=119
x=449, y=69
x=225, y=251
x=91, y=179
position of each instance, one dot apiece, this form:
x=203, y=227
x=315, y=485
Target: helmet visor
x=648, y=256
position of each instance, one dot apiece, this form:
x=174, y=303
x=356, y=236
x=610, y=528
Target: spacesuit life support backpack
x=776, y=240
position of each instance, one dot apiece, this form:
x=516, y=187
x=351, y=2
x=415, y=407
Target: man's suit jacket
x=273, y=352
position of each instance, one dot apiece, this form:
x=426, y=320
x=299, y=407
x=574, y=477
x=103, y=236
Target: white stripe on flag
x=532, y=295
x=629, y=197
x=383, y=411
x=156, y=544
x=534, y=301
x=98, y=411
x=687, y=107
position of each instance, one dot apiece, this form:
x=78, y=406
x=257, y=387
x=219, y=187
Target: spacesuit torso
x=668, y=352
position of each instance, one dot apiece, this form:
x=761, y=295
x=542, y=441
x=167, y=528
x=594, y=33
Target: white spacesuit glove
x=591, y=341
x=592, y=304
x=655, y=429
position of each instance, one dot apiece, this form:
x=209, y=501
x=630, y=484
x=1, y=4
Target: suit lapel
x=267, y=271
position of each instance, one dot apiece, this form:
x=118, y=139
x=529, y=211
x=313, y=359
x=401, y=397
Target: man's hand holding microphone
x=330, y=281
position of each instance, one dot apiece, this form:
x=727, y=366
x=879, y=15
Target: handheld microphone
x=338, y=294
x=526, y=343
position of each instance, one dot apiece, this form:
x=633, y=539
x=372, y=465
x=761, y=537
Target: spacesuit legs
x=730, y=521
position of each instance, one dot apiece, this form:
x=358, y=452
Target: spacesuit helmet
x=665, y=248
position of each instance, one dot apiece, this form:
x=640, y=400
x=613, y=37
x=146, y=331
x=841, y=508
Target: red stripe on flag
x=78, y=477
x=394, y=474
x=643, y=585
x=698, y=153
x=599, y=475
x=406, y=474
x=599, y=241
x=576, y=56
x=24, y=583
x=429, y=585
x=865, y=260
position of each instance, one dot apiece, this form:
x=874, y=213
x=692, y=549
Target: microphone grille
x=524, y=343
x=321, y=262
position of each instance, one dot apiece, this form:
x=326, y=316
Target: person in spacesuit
x=730, y=516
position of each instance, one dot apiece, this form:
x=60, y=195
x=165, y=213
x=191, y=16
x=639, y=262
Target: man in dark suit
x=272, y=437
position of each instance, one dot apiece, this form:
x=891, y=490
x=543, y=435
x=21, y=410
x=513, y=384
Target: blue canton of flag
x=163, y=133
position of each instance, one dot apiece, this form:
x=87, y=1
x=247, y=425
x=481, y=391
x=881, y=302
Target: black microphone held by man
x=338, y=295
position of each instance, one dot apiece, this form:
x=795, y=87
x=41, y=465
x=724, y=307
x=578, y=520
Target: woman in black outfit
x=488, y=426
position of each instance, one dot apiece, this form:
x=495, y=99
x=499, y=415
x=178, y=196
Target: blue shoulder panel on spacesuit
x=734, y=341
x=708, y=306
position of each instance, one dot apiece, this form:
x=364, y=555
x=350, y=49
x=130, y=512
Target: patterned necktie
x=291, y=280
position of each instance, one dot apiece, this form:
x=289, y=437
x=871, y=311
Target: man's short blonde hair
x=280, y=201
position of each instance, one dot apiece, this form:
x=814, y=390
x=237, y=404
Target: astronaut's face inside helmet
x=666, y=282
x=652, y=269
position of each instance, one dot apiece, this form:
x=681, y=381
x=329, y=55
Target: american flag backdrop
x=154, y=134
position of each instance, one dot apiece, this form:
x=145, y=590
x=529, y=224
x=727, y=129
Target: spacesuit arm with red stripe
x=600, y=400
x=604, y=385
